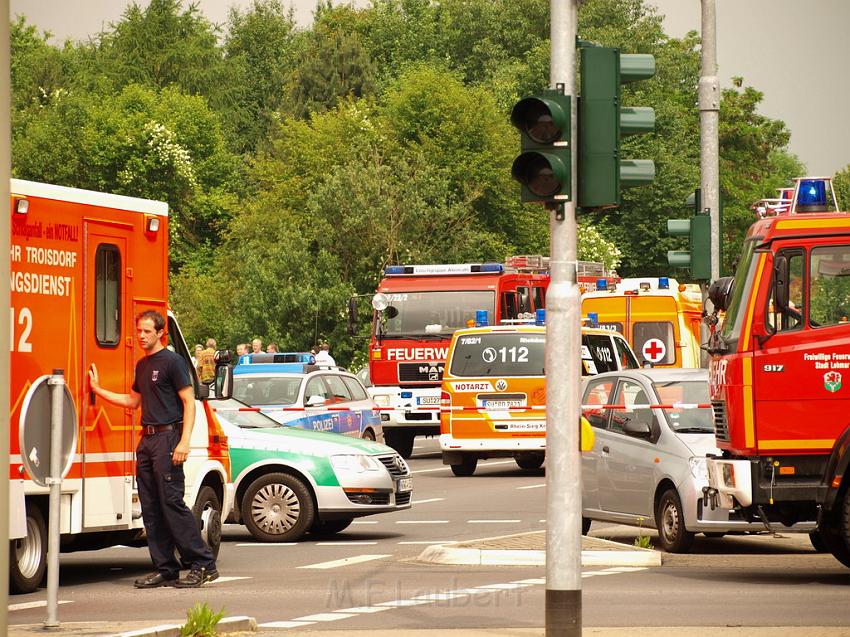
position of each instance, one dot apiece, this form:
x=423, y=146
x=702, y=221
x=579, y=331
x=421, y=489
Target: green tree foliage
x=841, y=183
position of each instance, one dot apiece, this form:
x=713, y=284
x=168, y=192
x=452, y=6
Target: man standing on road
x=163, y=388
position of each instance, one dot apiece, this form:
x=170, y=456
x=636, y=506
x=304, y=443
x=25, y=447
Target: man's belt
x=150, y=430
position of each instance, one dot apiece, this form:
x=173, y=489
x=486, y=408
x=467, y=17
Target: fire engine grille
x=721, y=426
x=420, y=372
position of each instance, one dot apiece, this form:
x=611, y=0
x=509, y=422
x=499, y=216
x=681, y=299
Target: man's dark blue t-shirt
x=158, y=379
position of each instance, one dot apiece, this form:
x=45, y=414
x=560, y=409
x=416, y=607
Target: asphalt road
x=749, y=581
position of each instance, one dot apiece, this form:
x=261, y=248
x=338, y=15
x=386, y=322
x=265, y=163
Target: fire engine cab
x=660, y=317
x=83, y=264
x=779, y=362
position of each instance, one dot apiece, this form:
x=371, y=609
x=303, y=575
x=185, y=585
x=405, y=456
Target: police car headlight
x=355, y=464
x=699, y=467
x=382, y=400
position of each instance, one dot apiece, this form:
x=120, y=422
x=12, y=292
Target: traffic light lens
x=535, y=117
x=537, y=172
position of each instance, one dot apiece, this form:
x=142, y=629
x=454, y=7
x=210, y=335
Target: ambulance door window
x=509, y=305
x=598, y=392
x=655, y=342
x=830, y=286
x=524, y=296
x=790, y=318
x=107, y=311
x=539, y=294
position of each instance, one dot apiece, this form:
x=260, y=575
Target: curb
x=448, y=554
x=238, y=623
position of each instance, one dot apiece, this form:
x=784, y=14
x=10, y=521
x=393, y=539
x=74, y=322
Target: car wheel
x=466, y=468
x=278, y=507
x=819, y=544
x=401, y=441
x=670, y=521
x=368, y=434
x=207, y=511
x=28, y=555
x=585, y=525
x=530, y=461
x=329, y=527
x=714, y=534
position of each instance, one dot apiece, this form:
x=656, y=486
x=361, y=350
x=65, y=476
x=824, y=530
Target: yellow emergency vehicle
x=659, y=317
x=493, y=399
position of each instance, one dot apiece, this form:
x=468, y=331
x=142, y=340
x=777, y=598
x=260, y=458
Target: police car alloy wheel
x=278, y=507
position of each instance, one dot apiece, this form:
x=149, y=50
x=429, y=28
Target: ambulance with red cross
x=83, y=264
x=660, y=317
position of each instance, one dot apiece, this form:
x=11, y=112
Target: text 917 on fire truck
x=83, y=264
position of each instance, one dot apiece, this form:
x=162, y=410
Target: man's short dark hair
x=157, y=318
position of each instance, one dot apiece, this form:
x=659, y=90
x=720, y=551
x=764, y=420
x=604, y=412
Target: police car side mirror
x=223, y=381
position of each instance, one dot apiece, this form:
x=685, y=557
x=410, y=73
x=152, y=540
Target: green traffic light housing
x=544, y=166
x=698, y=231
x=602, y=122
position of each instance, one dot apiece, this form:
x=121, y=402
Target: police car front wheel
x=278, y=507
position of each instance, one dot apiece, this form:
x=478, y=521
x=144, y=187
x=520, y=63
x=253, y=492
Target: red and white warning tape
x=482, y=409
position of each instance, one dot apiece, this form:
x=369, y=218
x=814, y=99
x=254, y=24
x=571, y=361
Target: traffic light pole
x=709, y=117
x=563, y=381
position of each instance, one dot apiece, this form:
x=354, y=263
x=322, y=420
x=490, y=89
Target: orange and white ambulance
x=83, y=264
x=660, y=317
x=493, y=399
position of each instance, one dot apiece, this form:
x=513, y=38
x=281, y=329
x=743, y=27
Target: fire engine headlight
x=354, y=464
x=698, y=467
x=380, y=301
x=382, y=400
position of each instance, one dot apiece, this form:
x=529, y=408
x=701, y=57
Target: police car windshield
x=258, y=391
x=434, y=313
x=228, y=411
x=511, y=354
x=689, y=419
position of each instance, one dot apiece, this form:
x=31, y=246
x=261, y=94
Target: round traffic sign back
x=654, y=350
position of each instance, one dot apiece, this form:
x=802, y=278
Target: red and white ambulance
x=83, y=264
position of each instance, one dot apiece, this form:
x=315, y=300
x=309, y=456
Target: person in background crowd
x=323, y=357
x=241, y=348
x=206, y=363
x=256, y=346
x=272, y=348
x=198, y=349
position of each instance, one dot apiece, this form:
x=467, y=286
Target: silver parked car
x=647, y=467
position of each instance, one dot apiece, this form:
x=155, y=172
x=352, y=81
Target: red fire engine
x=779, y=362
x=83, y=264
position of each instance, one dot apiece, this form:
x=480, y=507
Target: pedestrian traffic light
x=698, y=231
x=544, y=166
x=602, y=122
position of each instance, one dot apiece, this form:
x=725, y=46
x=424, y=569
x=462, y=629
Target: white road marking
x=290, y=624
x=28, y=605
x=532, y=486
x=266, y=543
x=428, y=500
x=352, y=543
x=227, y=578
x=422, y=521
x=438, y=596
x=365, y=522
x=324, y=617
x=492, y=521
x=363, y=609
x=447, y=467
x=535, y=580
x=430, y=542
x=503, y=587
x=398, y=603
x=357, y=559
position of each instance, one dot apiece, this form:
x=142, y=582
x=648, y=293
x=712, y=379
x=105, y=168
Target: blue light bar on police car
x=444, y=268
x=278, y=357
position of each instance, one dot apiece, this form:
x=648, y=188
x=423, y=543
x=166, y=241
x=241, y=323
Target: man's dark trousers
x=168, y=521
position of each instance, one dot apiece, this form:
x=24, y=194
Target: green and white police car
x=290, y=481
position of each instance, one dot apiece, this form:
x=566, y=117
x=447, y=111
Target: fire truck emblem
x=832, y=381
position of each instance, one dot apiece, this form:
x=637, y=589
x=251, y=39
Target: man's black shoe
x=154, y=580
x=196, y=578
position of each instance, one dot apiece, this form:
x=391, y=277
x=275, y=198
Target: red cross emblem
x=654, y=350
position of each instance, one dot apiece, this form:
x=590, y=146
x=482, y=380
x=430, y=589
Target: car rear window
x=508, y=354
x=266, y=390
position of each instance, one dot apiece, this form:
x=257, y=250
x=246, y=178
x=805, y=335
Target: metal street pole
x=5, y=234
x=709, y=117
x=563, y=381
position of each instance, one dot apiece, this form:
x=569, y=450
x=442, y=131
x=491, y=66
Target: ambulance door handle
x=605, y=449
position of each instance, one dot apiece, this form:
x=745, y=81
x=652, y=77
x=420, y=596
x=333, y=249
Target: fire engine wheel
x=207, y=511
x=278, y=507
x=329, y=527
x=529, y=461
x=28, y=555
x=585, y=525
x=670, y=521
x=818, y=542
x=466, y=468
x=401, y=441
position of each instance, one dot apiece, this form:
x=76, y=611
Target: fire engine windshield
x=434, y=313
x=511, y=354
x=744, y=275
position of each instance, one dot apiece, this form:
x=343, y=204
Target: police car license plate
x=428, y=400
x=522, y=425
x=404, y=485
